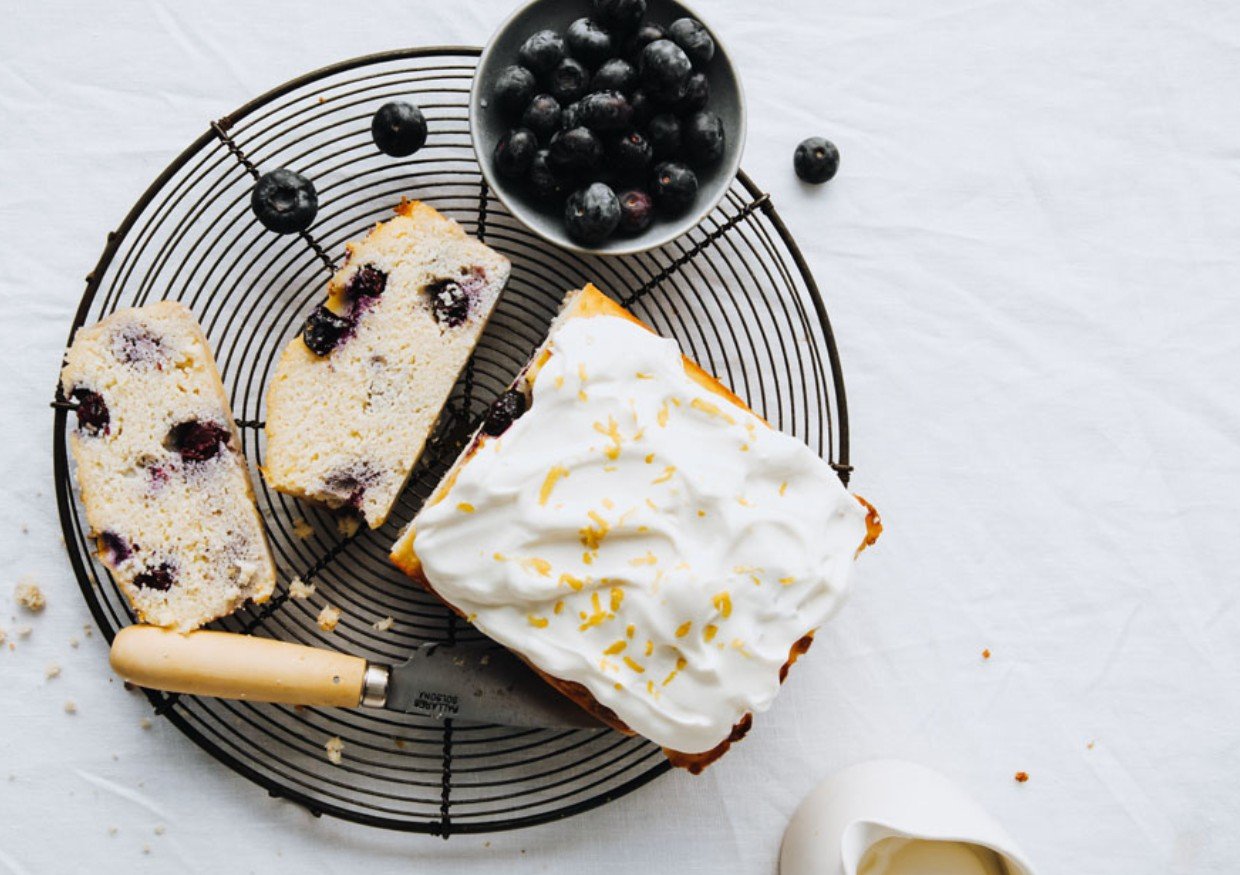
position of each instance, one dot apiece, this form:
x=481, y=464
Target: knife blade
x=478, y=685
x=467, y=683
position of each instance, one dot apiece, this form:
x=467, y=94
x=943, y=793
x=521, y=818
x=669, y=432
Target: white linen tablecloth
x=1031, y=258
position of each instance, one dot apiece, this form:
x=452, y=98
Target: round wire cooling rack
x=735, y=292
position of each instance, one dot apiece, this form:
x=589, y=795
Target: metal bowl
x=486, y=126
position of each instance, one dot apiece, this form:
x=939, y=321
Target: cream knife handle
x=232, y=666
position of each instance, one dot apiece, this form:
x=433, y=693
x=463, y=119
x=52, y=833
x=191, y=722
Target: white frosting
x=644, y=537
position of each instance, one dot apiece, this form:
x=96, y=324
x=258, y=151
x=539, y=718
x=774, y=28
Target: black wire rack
x=735, y=292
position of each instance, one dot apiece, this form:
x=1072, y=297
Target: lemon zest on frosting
x=553, y=475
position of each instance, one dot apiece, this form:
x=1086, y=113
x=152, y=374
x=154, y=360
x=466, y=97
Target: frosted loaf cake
x=652, y=547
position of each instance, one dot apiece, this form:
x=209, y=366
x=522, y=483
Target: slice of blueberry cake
x=166, y=490
x=356, y=393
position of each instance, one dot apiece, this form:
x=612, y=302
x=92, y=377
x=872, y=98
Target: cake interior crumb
x=302, y=529
x=52, y=671
x=29, y=596
x=329, y=617
x=299, y=589
x=334, y=748
x=70, y=706
x=384, y=624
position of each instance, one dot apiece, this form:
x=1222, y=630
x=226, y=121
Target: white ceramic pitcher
x=847, y=815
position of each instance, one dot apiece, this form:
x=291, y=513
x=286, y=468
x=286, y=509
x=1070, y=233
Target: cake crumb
x=23, y=633
x=73, y=642
x=302, y=529
x=384, y=624
x=3, y=635
x=328, y=618
x=986, y=653
x=334, y=748
x=1090, y=746
x=112, y=830
x=160, y=829
x=145, y=723
x=88, y=630
x=52, y=671
x=299, y=589
x=70, y=706
x=347, y=525
x=146, y=849
x=29, y=596
x=1022, y=777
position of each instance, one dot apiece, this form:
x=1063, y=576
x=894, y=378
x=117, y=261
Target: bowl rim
x=641, y=243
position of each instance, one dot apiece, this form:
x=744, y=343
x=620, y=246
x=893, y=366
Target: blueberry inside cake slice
x=630, y=528
x=166, y=490
x=356, y=393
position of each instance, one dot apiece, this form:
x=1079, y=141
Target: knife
x=467, y=683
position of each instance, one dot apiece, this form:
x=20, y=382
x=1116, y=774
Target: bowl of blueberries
x=607, y=126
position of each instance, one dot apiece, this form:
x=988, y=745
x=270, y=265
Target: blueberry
x=323, y=331
x=694, y=38
x=398, y=129
x=515, y=152
x=663, y=131
x=620, y=15
x=571, y=116
x=674, y=187
x=542, y=116
x=197, y=441
x=589, y=42
x=569, y=81
x=92, y=412
x=636, y=211
x=159, y=577
x=576, y=151
x=615, y=75
x=643, y=108
x=630, y=154
x=704, y=138
x=505, y=410
x=284, y=201
x=545, y=182
x=514, y=87
x=816, y=160
x=696, y=96
x=367, y=282
x=349, y=484
x=113, y=549
x=449, y=303
x=665, y=69
x=592, y=213
x=542, y=51
x=136, y=346
x=642, y=37
x=606, y=111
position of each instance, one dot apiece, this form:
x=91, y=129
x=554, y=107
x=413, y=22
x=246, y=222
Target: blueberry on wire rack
x=284, y=201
